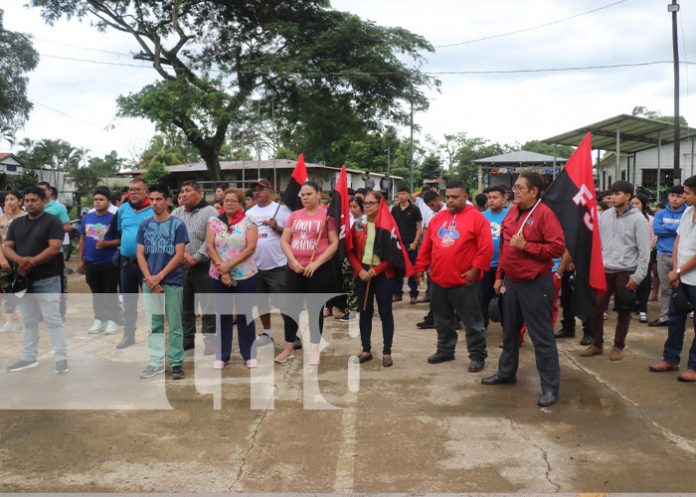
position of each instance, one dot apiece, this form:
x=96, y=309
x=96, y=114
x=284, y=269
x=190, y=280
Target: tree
x=562, y=151
x=431, y=167
x=322, y=70
x=641, y=111
x=17, y=57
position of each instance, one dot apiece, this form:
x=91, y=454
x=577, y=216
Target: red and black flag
x=388, y=245
x=291, y=196
x=339, y=209
x=573, y=199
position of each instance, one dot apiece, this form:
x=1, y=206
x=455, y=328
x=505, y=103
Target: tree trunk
x=212, y=161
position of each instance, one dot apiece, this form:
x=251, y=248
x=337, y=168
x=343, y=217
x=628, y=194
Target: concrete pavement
x=344, y=428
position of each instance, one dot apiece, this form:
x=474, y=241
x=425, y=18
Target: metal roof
x=521, y=157
x=251, y=165
x=636, y=134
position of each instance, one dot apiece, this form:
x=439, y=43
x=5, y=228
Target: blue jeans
x=131, y=281
x=242, y=296
x=43, y=300
x=399, y=279
x=676, y=330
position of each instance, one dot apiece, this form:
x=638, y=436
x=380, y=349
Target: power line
x=69, y=45
x=91, y=61
x=531, y=28
x=486, y=71
x=558, y=69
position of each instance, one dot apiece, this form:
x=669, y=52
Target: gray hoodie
x=625, y=242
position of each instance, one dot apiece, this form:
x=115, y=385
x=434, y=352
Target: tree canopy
x=323, y=75
x=17, y=57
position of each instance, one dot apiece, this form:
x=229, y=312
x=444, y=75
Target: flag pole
x=367, y=287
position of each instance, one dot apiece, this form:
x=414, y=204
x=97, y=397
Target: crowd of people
x=499, y=258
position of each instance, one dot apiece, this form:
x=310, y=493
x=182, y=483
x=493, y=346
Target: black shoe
x=427, y=324
x=439, y=357
x=563, y=333
x=177, y=372
x=496, y=379
x=297, y=344
x=126, y=342
x=189, y=344
x=547, y=399
x=659, y=322
x=364, y=357
x=476, y=365
x=586, y=340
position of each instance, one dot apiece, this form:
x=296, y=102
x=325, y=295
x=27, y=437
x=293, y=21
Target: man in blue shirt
x=162, y=243
x=665, y=227
x=97, y=263
x=495, y=214
x=128, y=219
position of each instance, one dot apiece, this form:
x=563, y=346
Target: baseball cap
x=263, y=183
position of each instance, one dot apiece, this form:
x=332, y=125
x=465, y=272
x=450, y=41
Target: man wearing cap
x=682, y=277
x=665, y=227
x=195, y=213
x=270, y=219
x=625, y=235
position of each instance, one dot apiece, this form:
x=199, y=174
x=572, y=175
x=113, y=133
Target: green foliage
x=17, y=57
x=324, y=76
x=641, y=111
x=22, y=181
x=562, y=151
x=156, y=172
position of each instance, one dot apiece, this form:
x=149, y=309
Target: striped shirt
x=196, y=222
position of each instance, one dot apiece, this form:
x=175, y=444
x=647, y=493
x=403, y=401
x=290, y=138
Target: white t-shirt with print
x=268, y=253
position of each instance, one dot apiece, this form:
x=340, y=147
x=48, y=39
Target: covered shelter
x=277, y=171
x=501, y=169
x=631, y=139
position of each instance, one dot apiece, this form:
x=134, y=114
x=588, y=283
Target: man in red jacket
x=531, y=237
x=458, y=249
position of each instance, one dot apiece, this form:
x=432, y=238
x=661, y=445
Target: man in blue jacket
x=665, y=227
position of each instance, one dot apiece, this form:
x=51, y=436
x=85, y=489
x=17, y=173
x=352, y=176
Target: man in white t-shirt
x=270, y=219
x=682, y=278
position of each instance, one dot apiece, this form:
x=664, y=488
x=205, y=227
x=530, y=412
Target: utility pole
x=410, y=159
x=674, y=8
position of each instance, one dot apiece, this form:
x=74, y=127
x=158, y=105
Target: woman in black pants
x=374, y=277
x=640, y=201
x=309, y=241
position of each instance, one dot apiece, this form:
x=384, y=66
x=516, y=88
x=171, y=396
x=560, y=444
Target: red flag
x=342, y=190
x=298, y=178
x=388, y=245
x=573, y=199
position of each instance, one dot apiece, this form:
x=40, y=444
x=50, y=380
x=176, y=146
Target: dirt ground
x=342, y=427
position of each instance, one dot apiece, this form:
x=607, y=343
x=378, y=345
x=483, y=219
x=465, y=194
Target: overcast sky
x=75, y=100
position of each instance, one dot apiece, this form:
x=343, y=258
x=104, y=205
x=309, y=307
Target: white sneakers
x=8, y=327
x=97, y=327
x=109, y=328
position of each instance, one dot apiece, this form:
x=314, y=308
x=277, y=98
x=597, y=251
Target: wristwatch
x=678, y=271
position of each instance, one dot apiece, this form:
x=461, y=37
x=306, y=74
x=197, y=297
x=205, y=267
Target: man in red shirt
x=458, y=249
x=531, y=237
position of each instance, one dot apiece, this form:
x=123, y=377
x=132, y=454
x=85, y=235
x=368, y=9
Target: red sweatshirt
x=453, y=244
x=544, y=241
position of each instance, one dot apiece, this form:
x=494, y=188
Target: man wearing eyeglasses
x=531, y=237
x=195, y=213
x=125, y=224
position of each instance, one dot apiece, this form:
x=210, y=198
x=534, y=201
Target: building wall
x=646, y=164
